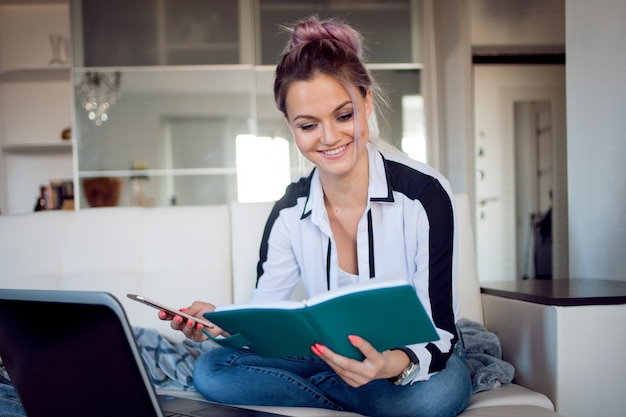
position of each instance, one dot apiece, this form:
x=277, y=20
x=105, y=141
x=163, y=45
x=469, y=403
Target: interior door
x=498, y=89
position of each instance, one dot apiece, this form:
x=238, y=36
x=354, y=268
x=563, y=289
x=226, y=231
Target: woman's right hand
x=191, y=329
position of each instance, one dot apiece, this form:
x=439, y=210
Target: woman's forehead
x=322, y=90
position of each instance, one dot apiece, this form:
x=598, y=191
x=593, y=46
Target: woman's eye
x=345, y=117
x=308, y=126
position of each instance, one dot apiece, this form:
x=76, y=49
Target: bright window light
x=413, y=127
x=262, y=168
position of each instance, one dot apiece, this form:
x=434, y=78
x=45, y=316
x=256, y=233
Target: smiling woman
x=362, y=213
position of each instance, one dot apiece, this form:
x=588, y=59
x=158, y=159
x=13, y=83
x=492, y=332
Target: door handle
x=483, y=201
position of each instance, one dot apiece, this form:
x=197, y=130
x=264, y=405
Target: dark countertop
x=560, y=292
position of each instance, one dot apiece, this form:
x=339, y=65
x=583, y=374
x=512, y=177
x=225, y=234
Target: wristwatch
x=408, y=374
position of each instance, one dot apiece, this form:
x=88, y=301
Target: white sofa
x=180, y=254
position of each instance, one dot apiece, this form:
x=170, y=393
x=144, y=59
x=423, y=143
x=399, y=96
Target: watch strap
x=408, y=375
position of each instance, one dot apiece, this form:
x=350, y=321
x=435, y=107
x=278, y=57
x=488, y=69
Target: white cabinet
x=161, y=32
x=566, y=338
x=35, y=101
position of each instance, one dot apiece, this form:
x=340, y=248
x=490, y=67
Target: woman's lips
x=336, y=152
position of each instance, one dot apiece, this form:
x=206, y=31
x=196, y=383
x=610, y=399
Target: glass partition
x=170, y=132
x=200, y=135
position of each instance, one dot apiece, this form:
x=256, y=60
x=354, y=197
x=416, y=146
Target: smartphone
x=170, y=310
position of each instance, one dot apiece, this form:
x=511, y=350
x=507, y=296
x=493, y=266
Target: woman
x=361, y=213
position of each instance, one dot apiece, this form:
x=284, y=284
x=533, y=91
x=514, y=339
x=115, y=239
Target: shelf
x=159, y=172
x=47, y=73
x=217, y=46
x=39, y=148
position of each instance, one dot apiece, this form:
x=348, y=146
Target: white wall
x=596, y=130
x=596, y=124
x=517, y=24
x=453, y=67
x=483, y=25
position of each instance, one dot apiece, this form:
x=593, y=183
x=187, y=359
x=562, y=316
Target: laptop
x=73, y=353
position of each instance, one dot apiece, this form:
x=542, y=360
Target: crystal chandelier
x=98, y=92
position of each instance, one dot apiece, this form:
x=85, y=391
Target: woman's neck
x=348, y=191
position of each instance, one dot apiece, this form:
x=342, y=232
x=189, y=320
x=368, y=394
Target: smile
x=335, y=151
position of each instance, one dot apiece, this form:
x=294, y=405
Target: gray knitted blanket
x=483, y=357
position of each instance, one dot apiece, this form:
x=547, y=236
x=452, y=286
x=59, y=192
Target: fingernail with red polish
x=178, y=319
x=353, y=339
x=321, y=348
x=162, y=314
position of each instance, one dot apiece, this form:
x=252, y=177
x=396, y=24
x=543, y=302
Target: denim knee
x=207, y=367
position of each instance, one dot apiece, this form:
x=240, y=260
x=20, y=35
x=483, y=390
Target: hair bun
x=312, y=29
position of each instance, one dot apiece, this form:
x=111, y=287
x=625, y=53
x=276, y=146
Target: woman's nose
x=330, y=135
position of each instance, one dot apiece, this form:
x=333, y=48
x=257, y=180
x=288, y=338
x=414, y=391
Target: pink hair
x=321, y=47
x=312, y=30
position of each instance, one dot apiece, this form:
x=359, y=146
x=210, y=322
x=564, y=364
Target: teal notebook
x=387, y=313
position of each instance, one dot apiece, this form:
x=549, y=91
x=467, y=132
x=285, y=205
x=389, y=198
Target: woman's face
x=321, y=116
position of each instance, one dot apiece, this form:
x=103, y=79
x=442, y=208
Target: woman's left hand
x=376, y=365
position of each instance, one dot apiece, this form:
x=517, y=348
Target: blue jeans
x=239, y=376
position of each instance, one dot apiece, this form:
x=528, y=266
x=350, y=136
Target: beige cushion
x=171, y=254
x=248, y=221
x=510, y=411
x=517, y=407
x=510, y=394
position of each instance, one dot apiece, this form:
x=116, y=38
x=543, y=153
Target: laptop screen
x=71, y=357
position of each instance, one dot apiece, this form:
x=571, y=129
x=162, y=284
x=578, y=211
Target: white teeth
x=335, y=151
